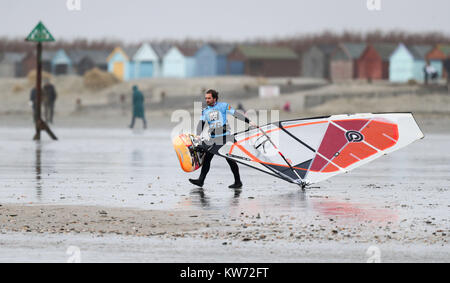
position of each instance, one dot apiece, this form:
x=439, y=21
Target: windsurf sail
x=288, y=162
x=315, y=149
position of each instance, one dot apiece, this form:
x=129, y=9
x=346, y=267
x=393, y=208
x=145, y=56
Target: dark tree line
x=302, y=42
x=297, y=42
x=20, y=45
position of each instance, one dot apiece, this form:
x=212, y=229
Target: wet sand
x=18, y=247
x=119, y=195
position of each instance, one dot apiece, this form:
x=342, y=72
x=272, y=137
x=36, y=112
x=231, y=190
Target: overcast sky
x=136, y=20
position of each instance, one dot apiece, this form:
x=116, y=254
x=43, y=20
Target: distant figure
x=33, y=95
x=432, y=72
x=429, y=73
x=78, y=105
x=49, y=98
x=138, y=107
x=287, y=106
x=163, y=98
x=240, y=107
x=122, y=103
x=447, y=70
x=425, y=74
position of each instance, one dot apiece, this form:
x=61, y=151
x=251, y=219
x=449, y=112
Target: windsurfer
x=215, y=114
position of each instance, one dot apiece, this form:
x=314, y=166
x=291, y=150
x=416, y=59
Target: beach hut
x=436, y=58
x=408, y=62
x=120, y=63
x=99, y=57
x=46, y=60
x=146, y=62
x=374, y=61
x=211, y=59
x=445, y=49
x=236, y=63
x=267, y=61
x=179, y=62
x=85, y=60
x=11, y=64
x=76, y=56
x=327, y=50
x=130, y=52
x=161, y=50
x=343, y=61
x=313, y=63
x=316, y=61
x=420, y=53
x=61, y=63
x=29, y=62
x=401, y=64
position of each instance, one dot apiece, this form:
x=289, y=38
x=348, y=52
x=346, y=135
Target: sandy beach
x=339, y=147
x=118, y=195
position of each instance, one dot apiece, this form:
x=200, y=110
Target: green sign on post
x=40, y=34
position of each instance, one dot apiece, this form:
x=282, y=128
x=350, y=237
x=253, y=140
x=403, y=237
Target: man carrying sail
x=215, y=114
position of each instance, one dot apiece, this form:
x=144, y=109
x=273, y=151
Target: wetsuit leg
x=210, y=154
x=206, y=165
x=235, y=169
x=233, y=164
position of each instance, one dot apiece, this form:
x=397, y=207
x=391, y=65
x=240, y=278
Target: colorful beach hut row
x=76, y=61
x=394, y=62
x=161, y=60
x=149, y=61
x=344, y=61
x=207, y=60
x=60, y=62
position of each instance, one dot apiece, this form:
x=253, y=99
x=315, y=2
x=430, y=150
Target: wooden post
x=40, y=34
x=40, y=124
x=37, y=136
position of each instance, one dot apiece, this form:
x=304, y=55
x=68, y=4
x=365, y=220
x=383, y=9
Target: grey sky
x=135, y=20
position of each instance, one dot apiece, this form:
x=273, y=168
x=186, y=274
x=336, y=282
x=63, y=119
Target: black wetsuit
x=212, y=147
x=219, y=136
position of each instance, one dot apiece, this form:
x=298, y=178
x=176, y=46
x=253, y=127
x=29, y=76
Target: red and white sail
x=319, y=148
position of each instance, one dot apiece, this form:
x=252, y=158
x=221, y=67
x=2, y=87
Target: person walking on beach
x=33, y=94
x=430, y=73
x=49, y=100
x=138, y=107
x=215, y=114
x=425, y=73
